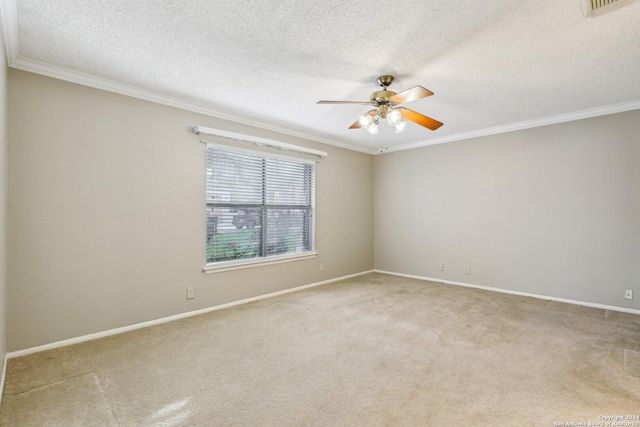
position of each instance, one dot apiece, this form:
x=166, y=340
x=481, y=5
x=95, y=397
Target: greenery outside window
x=259, y=207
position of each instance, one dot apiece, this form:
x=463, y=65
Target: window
x=258, y=207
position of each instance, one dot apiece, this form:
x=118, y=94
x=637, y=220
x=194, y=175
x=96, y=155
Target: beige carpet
x=375, y=350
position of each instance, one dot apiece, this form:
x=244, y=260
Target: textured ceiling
x=490, y=63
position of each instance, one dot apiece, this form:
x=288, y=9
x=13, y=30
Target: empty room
x=261, y=213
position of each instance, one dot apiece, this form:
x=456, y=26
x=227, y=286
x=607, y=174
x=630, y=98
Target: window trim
x=222, y=266
x=240, y=264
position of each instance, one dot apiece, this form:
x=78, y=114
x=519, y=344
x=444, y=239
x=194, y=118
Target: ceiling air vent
x=593, y=8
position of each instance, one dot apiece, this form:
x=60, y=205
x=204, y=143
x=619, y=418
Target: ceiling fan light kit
x=371, y=120
x=386, y=102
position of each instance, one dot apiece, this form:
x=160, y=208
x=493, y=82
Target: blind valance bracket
x=256, y=140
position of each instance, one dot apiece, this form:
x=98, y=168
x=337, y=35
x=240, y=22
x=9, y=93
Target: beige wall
x=552, y=211
x=106, y=214
x=3, y=199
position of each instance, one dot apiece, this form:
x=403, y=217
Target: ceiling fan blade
x=420, y=119
x=345, y=102
x=357, y=124
x=412, y=94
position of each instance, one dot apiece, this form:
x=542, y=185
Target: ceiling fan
x=386, y=103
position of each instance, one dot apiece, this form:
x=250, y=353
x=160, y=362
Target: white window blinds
x=257, y=206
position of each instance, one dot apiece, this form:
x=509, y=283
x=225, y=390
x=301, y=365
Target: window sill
x=242, y=264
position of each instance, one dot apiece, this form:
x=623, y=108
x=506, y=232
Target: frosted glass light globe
x=394, y=117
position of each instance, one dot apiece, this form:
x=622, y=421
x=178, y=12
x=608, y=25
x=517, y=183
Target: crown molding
x=9, y=18
x=171, y=101
x=159, y=98
x=9, y=15
x=544, y=121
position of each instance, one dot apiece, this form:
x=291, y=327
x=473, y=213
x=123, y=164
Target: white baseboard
x=507, y=291
x=4, y=375
x=123, y=329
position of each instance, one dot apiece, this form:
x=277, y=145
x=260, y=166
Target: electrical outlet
x=628, y=294
x=467, y=269
x=321, y=268
x=191, y=293
x=440, y=266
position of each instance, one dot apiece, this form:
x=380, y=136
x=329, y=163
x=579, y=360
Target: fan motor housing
x=382, y=96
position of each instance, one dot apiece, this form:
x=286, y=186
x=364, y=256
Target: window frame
x=257, y=261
